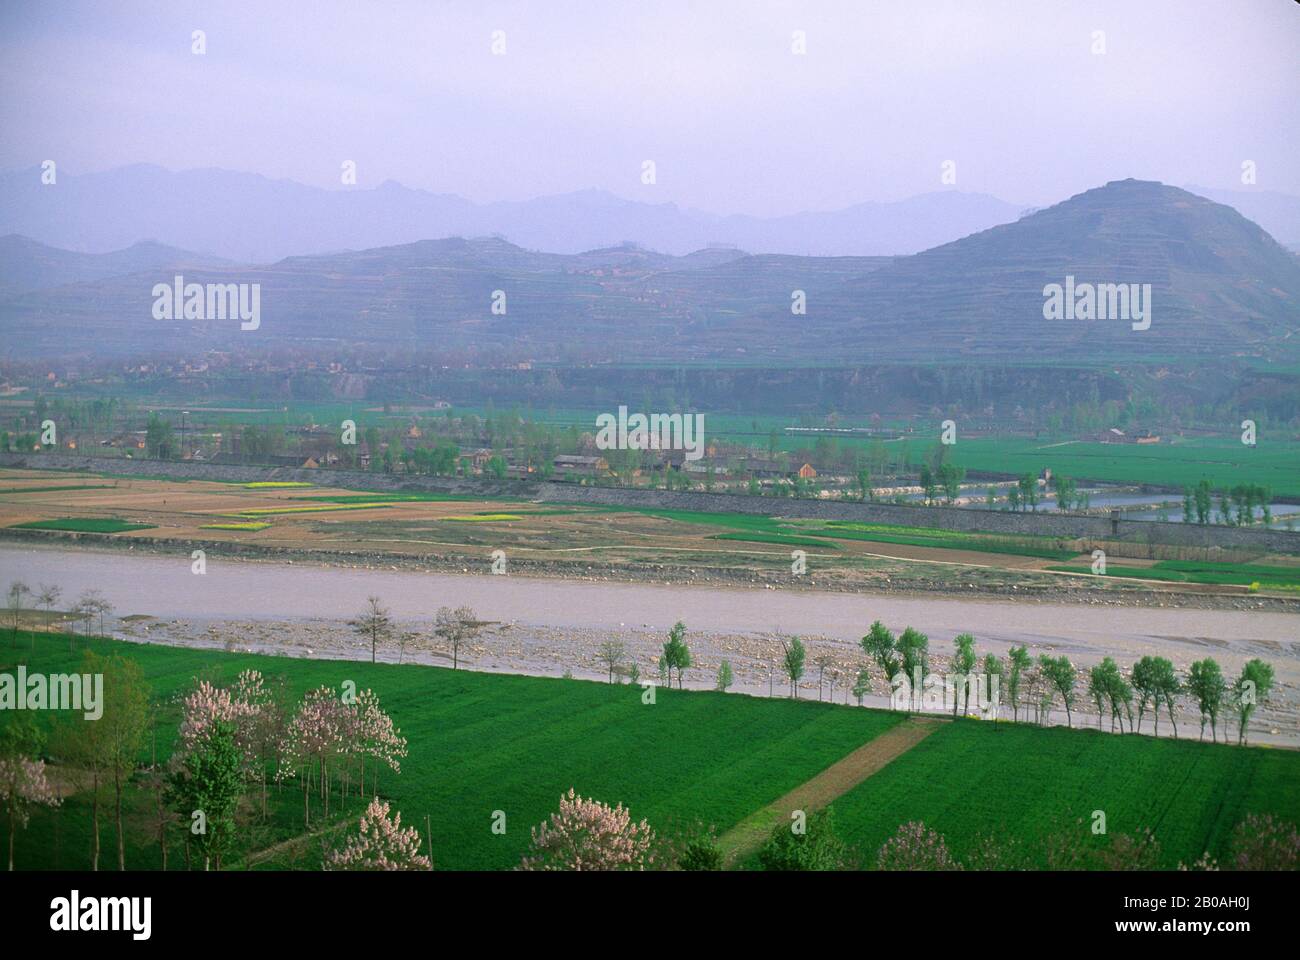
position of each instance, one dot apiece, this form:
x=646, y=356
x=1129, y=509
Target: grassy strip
x=84, y=525
x=1242, y=575
x=954, y=541
x=81, y=486
x=781, y=538
x=484, y=518
x=398, y=498
x=251, y=525
x=279, y=511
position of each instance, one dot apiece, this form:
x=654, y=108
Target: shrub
x=915, y=847
x=818, y=847
x=1264, y=843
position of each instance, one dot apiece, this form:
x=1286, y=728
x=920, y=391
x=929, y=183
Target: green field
x=482, y=742
x=950, y=539
x=970, y=780
x=1224, y=462
x=485, y=742
x=1188, y=571
x=792, y=532
x=85, y=525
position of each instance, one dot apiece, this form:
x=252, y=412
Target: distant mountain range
x=252, y=219
x=1220, y=287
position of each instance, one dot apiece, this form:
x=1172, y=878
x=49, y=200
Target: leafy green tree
x=993, y=670
x=1060, y=674
x=676, y=655
x=1020, y=661
x=1146, y=684
x=1097, y=690
x=1169, y=688
x=700, y=850
x=792, y=661
x=1066, y=492
x=1249, y=691
x=862, y=685
x=928, y=484
x=963, y=663
x=914, y=650
x=1028, y=486
x=879, y=644
x=725, y=676
x=949, y=477
x=205, y=791
x=1202, y=500
x=159, y=440
x=863, y=483
x=125, y=721
x=1206, y=685
x=1107, y=680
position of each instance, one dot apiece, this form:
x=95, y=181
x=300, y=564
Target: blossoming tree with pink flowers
x=23, y=785
x=380, y=844
x=589, y=835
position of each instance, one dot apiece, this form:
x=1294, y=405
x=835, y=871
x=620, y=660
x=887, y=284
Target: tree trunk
x=121, y=841
x=94, y=823
x=162, y=825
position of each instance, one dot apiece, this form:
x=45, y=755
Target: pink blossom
x=380, y=844
x=590, y=835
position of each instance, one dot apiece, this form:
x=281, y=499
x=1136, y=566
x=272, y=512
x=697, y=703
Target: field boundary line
x=839, y=778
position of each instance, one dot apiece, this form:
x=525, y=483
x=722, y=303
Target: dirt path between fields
x=840, y=777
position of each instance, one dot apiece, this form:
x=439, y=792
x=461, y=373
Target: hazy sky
x=710, y=91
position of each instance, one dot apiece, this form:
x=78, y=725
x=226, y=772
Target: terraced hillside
x=1221, y=287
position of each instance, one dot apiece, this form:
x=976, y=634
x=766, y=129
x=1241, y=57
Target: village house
x=580, y=466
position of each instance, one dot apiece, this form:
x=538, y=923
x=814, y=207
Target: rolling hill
x=1220, y=287
x=26, y=265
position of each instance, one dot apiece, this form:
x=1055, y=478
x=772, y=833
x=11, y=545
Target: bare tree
x=373, y=624
x=405, y=638
x=456, y=627
x=47, y=597
x=102, y=608
x=822, y=663
x=612, y=654
x=89, y=606
x=17, y=592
